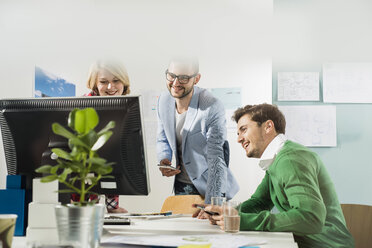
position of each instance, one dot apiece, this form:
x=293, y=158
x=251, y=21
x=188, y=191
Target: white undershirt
x=180, y=121
x=268, y=156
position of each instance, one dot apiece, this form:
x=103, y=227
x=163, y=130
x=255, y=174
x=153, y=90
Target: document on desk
x=147, y=216
x=223, y=240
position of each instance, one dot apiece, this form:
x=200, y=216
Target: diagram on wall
x=298, y=86
x=311, y=125
x=149, y=103
x=49, y=85
x=347, y=82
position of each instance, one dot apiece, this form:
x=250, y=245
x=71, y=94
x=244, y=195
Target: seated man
x=296, y=183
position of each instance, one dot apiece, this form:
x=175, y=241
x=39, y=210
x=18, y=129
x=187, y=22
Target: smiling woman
x=108, y=78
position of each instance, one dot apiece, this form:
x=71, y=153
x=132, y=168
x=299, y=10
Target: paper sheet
x=230, y=97
x=311, y=125
x=216, y=241
x=298, y=86
x=149, y=103
x=347, y=82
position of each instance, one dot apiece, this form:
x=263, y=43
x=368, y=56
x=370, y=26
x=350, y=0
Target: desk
x=184, y=226
x=193, y=226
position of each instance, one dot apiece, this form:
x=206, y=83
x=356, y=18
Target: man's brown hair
x=261, y=113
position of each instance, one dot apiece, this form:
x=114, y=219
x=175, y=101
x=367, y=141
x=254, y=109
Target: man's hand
x=216, y=219
x=200, y=214
x=169, y=172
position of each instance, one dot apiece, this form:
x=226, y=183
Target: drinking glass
x=217, y=200
x=231, y=216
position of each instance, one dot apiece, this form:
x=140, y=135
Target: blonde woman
x=107, y=78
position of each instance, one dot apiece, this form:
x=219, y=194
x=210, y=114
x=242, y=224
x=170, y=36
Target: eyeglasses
x=182, y=79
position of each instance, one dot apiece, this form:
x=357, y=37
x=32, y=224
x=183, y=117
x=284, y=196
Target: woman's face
x=108, y=84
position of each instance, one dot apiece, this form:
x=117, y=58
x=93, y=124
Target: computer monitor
x=28, y=138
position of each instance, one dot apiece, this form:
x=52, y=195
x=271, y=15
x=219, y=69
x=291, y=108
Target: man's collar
x=271, y=150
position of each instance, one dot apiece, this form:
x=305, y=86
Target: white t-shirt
x=180, y=121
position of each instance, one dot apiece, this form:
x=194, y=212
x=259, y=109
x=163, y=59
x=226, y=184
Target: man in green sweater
x=296, y=183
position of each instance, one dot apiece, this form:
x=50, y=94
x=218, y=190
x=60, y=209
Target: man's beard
x=185, y=93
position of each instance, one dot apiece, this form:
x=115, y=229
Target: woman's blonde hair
x=113, y=66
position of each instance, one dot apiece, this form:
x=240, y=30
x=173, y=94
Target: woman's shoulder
x=92, y=93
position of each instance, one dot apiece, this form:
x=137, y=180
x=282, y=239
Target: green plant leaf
x=72, y=180
x=99, y=161
x=101, y=140
x=66, y=191
x=82, y=163
x=71, y=119
x=109, y=126
x=60, y=130
x=107, y=177
x=44, y=169
x=65, y=173
x=54, y=169
x=84, y=120
x=49, y=178
x=75, y=166
x=101, y=169
x=61, y=153
x=90, y=138
x=78, y=142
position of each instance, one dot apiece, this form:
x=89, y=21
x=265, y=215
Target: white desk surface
x=184, y=226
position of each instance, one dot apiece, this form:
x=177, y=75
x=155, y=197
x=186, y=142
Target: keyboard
x=116, y=220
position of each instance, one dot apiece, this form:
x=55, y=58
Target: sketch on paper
x=313, y=126
x=347, y=82
x=298, y=86
x=49, y=85
x=149, y=104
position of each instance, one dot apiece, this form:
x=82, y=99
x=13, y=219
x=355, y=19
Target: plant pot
x=80, y=226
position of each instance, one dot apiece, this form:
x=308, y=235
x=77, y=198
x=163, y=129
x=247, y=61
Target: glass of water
x=231, y=216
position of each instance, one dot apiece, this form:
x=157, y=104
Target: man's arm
x=216, y=135
x=302, y=213
x=260, y=200
x=163, y=148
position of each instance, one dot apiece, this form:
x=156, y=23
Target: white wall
x=231, y=38
x=308, y=34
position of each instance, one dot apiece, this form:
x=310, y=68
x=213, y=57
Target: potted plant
x=80, y=169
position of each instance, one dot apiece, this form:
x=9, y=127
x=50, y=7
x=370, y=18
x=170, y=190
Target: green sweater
x=298, y=185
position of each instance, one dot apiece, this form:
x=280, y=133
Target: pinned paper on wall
x=298, y=86
x=231, y=99
x=313, y=126
x=149, y=103
x=347, y=82
x=49, y=85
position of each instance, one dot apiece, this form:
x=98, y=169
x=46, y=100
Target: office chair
x=181, y=204
x=359, y=222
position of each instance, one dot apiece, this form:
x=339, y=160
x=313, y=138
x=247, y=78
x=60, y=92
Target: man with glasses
x=191, y=125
